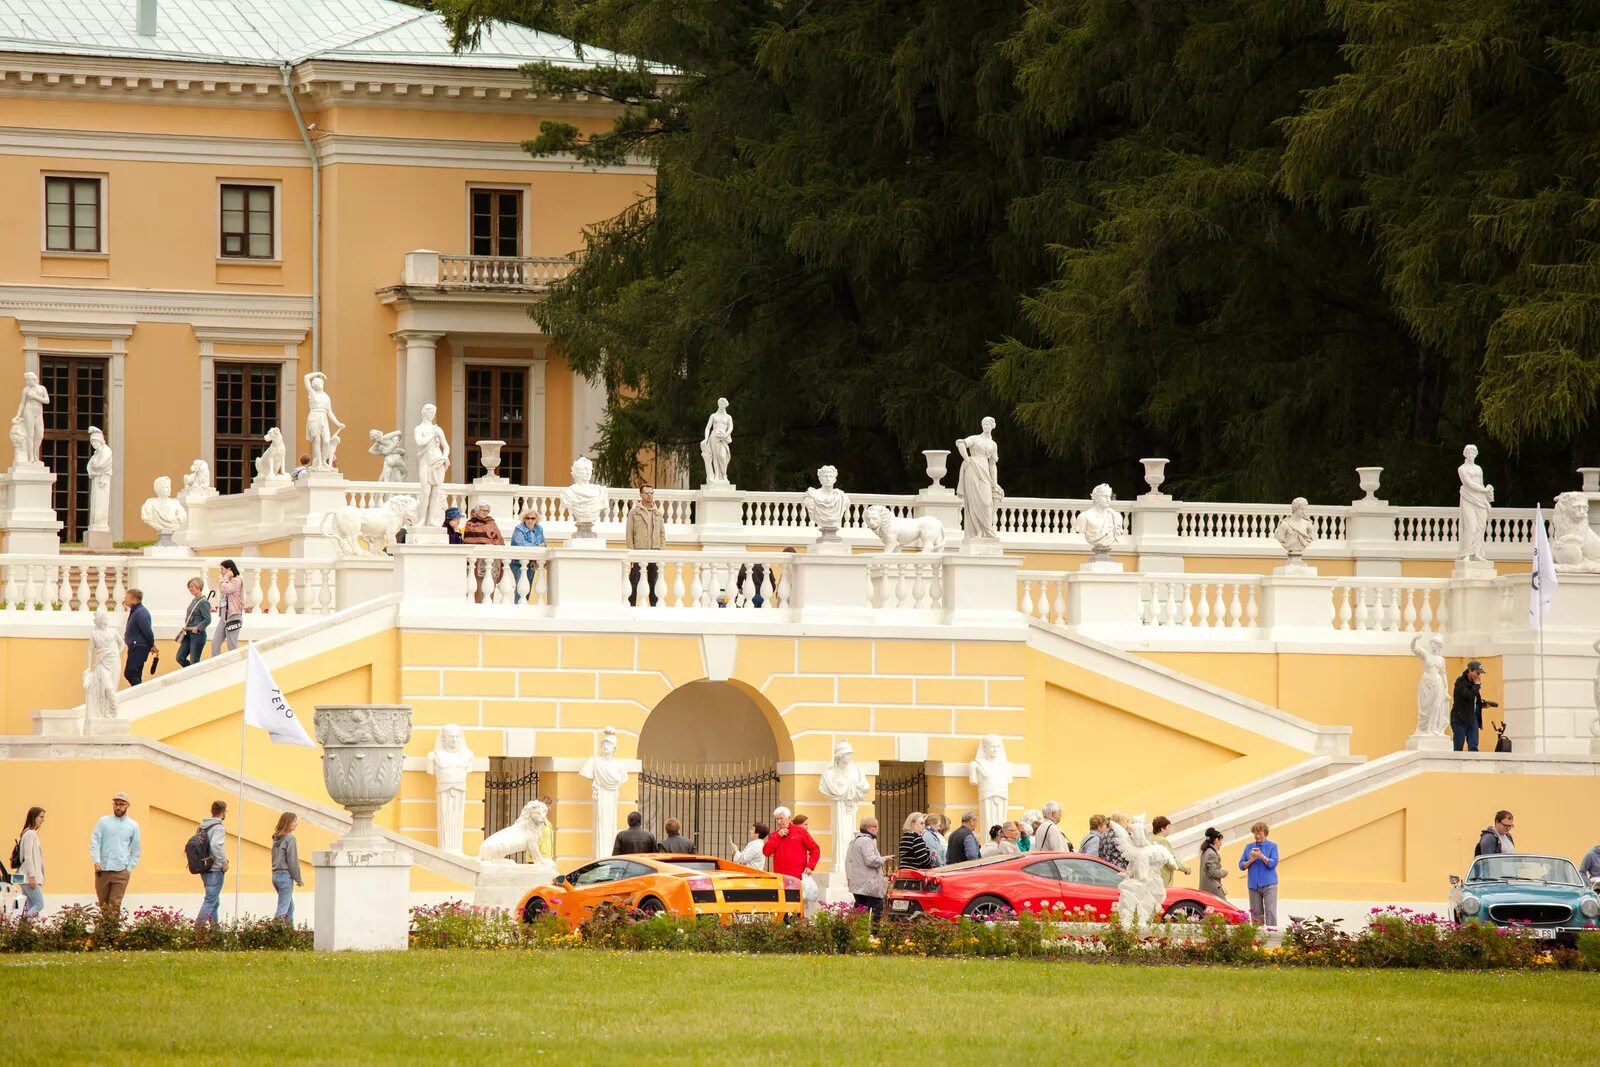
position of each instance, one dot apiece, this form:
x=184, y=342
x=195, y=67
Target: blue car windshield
x=1552, y=869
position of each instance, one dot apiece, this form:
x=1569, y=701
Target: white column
x=419, y=372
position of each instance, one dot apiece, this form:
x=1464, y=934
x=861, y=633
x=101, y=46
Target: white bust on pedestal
x=844, y=783
x=826, y=504
x=991, y=772
x=1296, y=533
x=587, y=503
x=1101, y=526
x=166, y=517
x=606, y=775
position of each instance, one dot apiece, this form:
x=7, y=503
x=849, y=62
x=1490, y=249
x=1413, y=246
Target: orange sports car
x=681, y=885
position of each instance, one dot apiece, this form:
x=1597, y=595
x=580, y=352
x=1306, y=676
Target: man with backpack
x=207, y=855
x=1496, y=840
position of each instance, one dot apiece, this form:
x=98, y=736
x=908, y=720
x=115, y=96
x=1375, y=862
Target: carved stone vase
x=489, y=452
x=363, y=752
x=937, y=460
x=1370, y=478
x=1155, y=473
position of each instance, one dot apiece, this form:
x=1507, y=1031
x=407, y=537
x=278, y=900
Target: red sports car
x=1032, y=881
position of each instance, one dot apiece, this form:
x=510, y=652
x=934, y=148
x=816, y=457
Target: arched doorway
x=709, y=758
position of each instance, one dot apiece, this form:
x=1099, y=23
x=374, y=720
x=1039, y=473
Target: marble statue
x=322, y=425
x=1141, y=894
x=348, y=526
x=978, y=483
x=199, y=476
x=29, y=442
x=925, y=532
x=826, y=504
x=1296, y=532
x=1574, y=546
x=104, y=670
x=99, y=469
x=433, y=465
x=391, y=446
x=450, y=761
x=1100, y=524
x=606, y=775
x=716, y=447
x=1433, y=690
x=991, y=773
x=273, y=463
x=162, y=513
x=1475, y=500
x=521, y=836
x=586, y=501
x=845, y=784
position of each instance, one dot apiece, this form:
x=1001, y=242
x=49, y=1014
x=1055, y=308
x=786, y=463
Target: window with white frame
x=74, y=213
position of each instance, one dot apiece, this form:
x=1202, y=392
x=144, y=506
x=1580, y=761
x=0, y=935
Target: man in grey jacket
x=863, y=869
x=211, y=880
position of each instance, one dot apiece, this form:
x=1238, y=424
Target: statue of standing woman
x=28, y=425
x=978, y=484
x=1475, y=500
x=716, y=448
x=433, y=465
x=1433, y=689
x=99, y=470
x=100, y=679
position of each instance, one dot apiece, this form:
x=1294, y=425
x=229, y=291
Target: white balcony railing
x=436, y=270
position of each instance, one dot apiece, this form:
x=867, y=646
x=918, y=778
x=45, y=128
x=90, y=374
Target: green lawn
x=593, y=1007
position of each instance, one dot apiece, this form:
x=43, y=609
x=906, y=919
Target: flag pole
x=238, y=849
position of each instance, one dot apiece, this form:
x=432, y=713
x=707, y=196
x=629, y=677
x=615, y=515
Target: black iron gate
x=900, y=789
x=715, y=802
x=510, y=784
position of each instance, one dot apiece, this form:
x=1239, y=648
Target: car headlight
x=1590, y=907
x=1470, y=905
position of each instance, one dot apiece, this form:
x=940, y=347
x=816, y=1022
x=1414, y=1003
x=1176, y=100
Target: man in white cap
x=114, y=851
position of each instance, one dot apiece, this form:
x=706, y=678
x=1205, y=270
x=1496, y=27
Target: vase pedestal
x=363, y=900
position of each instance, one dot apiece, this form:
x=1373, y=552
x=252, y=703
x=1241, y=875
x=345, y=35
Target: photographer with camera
x=1466, y=708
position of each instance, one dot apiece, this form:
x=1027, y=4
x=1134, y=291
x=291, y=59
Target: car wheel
x=1186, y=911
x=986, y=907
x=534, y=909
x=650, y=907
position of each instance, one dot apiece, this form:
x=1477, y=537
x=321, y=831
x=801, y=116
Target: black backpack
x=197, y=850
x=1503, y=743
x=16, y=855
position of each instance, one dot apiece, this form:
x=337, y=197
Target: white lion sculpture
x=1574, y=546
x=925, y=533
x=520, y=836
x=272, y=462
x=349, y=526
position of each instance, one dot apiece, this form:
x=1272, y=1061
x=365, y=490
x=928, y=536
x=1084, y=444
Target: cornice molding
x=98, y=331
x=86, y=305
x=336, y=148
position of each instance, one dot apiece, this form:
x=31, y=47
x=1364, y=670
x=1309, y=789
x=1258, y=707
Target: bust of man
x=826, y=505
x=162, y=513
x=585, y=500
x=1100, y=524
x=1296, y=532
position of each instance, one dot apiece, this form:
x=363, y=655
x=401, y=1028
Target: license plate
x=900, y=905
x=748, y=917
x=1544, y=935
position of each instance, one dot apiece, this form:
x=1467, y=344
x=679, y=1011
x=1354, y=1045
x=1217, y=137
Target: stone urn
x=363, y=751
x=1369, y=478
x=1155, y=473
x=937, y=466
x=489, y=453
x=1591, y=479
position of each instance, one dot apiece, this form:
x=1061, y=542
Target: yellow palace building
x=215, y=198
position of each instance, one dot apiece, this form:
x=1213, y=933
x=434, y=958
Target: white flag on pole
x=265, y=707
x=1543, y=581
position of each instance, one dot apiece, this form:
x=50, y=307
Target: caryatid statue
x=827, y=505
x=99, y=470
x=162, y=513
x=433, y=466
x=1100, y=524
x=100, y=677
x=450, y=761
x=1475, y=500
x=28, y=425
x=991, y=773
x=1296, y=532
x=322, y=425
x=978, y=483
x=844, y=783
x=716, y=447
x=606, y=775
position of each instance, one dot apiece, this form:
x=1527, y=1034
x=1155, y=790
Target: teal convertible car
x=1543, y=894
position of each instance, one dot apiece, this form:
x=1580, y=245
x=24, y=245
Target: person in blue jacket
x=138, y=636
x=528, y=533
x=1260, y=864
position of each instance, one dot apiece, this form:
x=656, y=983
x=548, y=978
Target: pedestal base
x=98, y=727
x=592, y=542
x=1101, y=566
x=502, y=885
x=52, y=722
x=169, y=551
x=982, y=546
x=833, y=889
x=1428, y=743
x=363, y=900
x=835, y=547
x=98, y=540
x=1295, y=570
x=1472, y=568
x=426, y=535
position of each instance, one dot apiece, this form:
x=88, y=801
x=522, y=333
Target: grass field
x=595, y=1007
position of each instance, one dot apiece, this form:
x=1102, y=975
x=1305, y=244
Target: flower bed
x=80, y=928
x=1393, y=938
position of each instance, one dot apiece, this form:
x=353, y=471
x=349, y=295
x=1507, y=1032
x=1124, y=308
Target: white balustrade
x=743, y=581
x=63, y=583
x=502, y=272
x=1391, y=605
x=515, y=576
x=1202, y=601
x=905, y=582
x=1042, y=595
x=1253, y=522
x=283, y=586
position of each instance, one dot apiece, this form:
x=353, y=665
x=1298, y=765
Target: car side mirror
x=561, y=879
x=1455, y=879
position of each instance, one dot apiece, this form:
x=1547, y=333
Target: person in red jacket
x=792, y=848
